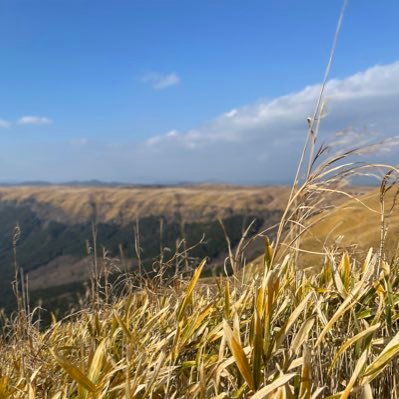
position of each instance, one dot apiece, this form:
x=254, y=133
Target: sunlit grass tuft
x=335, y=334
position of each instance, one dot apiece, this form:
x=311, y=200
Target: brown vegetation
x=191, y=203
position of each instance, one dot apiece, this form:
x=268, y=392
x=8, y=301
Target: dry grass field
x=122, y=204
x=355, y=226
x=269, y=335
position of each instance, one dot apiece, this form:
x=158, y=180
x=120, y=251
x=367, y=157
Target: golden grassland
x=355, y=226
x=191, y=203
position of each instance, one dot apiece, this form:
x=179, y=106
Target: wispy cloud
x=161, y=81
x=4, y=124
x=34, y=120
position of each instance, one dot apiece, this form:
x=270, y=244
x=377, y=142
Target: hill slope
x=56, y=226
x=72, y=205
x=355, y=226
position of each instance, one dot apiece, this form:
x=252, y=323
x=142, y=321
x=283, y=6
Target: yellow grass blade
x=220, y=396
x=257, y=350
x=306, y=376
x=75, y=373
x=239, y=355
x=268, y=255
x=345, y=268
x=348, y=302
x=123, y=325
x=337, y=279
x=291, y=320
x=267, y=390
x=189, y=291
x=380, y=362
x=302, y=335
x=352, y=340
x=316, y=393
x=356, y=372
x=97, y=362
x=227, y=300
x=366, y=393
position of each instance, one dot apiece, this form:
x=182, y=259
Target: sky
x=169, y=91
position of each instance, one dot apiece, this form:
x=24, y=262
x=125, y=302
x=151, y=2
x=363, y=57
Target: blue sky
x=166, y=91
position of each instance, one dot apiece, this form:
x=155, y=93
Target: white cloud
x=260, y=142
x=159, y=81
x=366, y=99
x=34, y=120
x=263, y=140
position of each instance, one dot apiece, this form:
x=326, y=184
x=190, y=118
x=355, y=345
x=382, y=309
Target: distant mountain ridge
x=149, y=184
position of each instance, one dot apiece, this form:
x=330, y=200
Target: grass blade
x=239, y=355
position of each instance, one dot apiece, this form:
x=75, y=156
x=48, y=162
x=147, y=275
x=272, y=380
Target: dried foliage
x=277, y=332
x=335, y=334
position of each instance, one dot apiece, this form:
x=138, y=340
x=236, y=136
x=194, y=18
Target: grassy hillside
x=75, y=205
x=55, y=246
x=355, y=226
